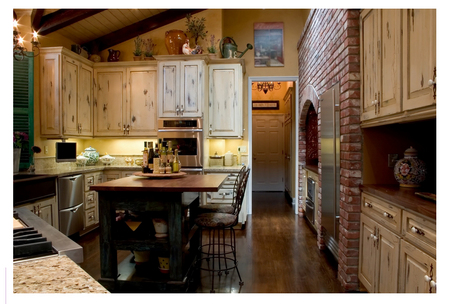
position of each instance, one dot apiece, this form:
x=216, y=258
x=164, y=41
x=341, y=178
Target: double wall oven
x=186, y=135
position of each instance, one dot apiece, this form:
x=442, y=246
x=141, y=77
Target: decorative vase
x=163, y=264
x=174, y=41
x=161, y=227
x=92, y=156
x=410, y=171
x=17, y=152
x=113, y=55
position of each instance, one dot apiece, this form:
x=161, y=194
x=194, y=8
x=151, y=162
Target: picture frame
x=269, y=44
x=265, y=104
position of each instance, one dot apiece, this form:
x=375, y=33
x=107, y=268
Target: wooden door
x=267, y=146
x=109, y=101
x=50, y=83
x=370, y=68
x=419, y=57
x=287, y=157
x=367, y=253
x=70, y=95
x=192, y=85
x=387, y=261
x=168, y=89
x=85, y=100
x=414, y=266
x=142, y=101
x=225, y=100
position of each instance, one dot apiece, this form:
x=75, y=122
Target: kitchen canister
x=228, y=161
x=410, y=171
x=92, y=156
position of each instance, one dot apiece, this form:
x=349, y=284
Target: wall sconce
x=266, y=86
x=19, y=50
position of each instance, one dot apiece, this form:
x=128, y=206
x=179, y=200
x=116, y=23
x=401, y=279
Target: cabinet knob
x=433, y=284
x=427, y=278
x=387, y=215
x=417, y=230
x=431, y=83
x=368, y=205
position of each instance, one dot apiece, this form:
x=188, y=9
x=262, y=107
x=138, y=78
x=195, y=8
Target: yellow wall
x=236, y=23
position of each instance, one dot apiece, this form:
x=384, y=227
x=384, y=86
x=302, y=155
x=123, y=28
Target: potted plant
x=20, y=141
x=137, y=48
x=196, y=27
x=212, y=47
x=149, y=49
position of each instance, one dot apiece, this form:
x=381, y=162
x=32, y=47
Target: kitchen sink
x=31, y=187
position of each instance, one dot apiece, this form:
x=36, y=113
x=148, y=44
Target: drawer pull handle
x=388, y=215
x=417, y=230
x=368, y=205
x=433, y=284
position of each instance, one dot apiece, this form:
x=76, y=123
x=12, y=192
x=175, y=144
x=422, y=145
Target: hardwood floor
x=276, y=252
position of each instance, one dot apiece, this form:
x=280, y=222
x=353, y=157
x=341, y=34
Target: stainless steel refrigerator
x=330, y=156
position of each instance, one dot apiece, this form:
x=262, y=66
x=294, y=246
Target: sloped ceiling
x=99, y=29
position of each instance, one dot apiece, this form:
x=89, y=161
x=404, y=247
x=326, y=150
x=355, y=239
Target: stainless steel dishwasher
x=70, y=204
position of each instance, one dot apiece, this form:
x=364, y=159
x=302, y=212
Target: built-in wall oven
x=186, y=134
x=310, y=200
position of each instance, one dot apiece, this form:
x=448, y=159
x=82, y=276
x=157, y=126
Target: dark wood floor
x=277, y=253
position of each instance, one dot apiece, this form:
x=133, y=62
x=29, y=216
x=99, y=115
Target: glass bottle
x=151, y=155
x=156, y=160
x=145, y=158
x=176, y=163
x=170, y=154
x=163, y=155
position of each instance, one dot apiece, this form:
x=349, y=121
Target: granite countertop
x=405, y=198
x=222, y=169
x=57, y=274
x=86, y=169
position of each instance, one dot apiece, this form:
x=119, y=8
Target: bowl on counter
x=81, y=160
x=107, y=159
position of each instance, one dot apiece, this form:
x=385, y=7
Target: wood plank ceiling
x=99, y=29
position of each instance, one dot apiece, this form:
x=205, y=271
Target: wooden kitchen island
x=151, y=198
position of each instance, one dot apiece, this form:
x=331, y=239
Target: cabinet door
x=388, y=260
x=109, y=101
x=70, y=95
x=142, y=97
x=414, y=266
x=225, y=100
x=168, y=84
x=192, y=93
x=50, y=83
x=419, y=57
x=85, y=98
x=367, y=253
x=46, y=209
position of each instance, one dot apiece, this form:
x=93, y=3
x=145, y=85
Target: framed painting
x=265, y=104
x=269, y=44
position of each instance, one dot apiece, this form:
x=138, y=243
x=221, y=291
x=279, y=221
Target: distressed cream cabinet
x=66, y=94
x=91, y=218
x=125, y=99
x=397, y=250
x=46, y=209
x=398, y=65
x=181, y=88
x=225, y=113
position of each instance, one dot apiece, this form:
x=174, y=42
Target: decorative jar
x=107, y=159
x=92, y=156
x=81, y=160
x=174, y=41
x=410, y=171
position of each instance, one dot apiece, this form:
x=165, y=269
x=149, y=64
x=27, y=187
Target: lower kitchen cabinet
x=46, y=209
x=91, y=218
x=225, y=194
x=109, y=175
x=379, y=257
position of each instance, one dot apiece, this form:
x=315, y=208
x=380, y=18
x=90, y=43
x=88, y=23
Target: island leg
x=175, y=237
x=108, y=253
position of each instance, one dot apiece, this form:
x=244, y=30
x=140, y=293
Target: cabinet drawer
x=229, y=181
x=420, y=232
x=98, y=178
x=221, y=196
x=89, y=181
x=89, y=200
x=91, y=217
x=383, y=212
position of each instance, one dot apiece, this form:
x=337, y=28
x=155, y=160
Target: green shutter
x=23, y=109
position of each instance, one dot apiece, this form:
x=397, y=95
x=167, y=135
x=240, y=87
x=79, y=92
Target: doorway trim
x=250, y=130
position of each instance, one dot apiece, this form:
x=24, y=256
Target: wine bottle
x=151, y=155
x=156, y=160
x=163, y=155
x=145, y=158
x=176, y=165
x=170, y=154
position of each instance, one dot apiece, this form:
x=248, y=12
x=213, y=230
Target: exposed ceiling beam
x=36, y=17
x=62, y=18
x=138, y=28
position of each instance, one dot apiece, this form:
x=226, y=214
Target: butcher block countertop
x=405, y=198
x=187, y=183
x=57, y=274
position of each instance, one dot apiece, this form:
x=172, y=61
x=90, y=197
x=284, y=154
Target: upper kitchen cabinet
x=380, y=51
x=398, y=65
x=66, y=94
x=181, y=88
x=225, y=113
x=125, y=99
x=419, y=58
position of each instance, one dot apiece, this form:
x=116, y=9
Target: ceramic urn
x=410, y=171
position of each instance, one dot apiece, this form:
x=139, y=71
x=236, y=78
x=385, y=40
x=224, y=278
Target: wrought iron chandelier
x=266, y=86
x=19, y=50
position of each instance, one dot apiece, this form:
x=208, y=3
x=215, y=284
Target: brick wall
x=328, y=52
